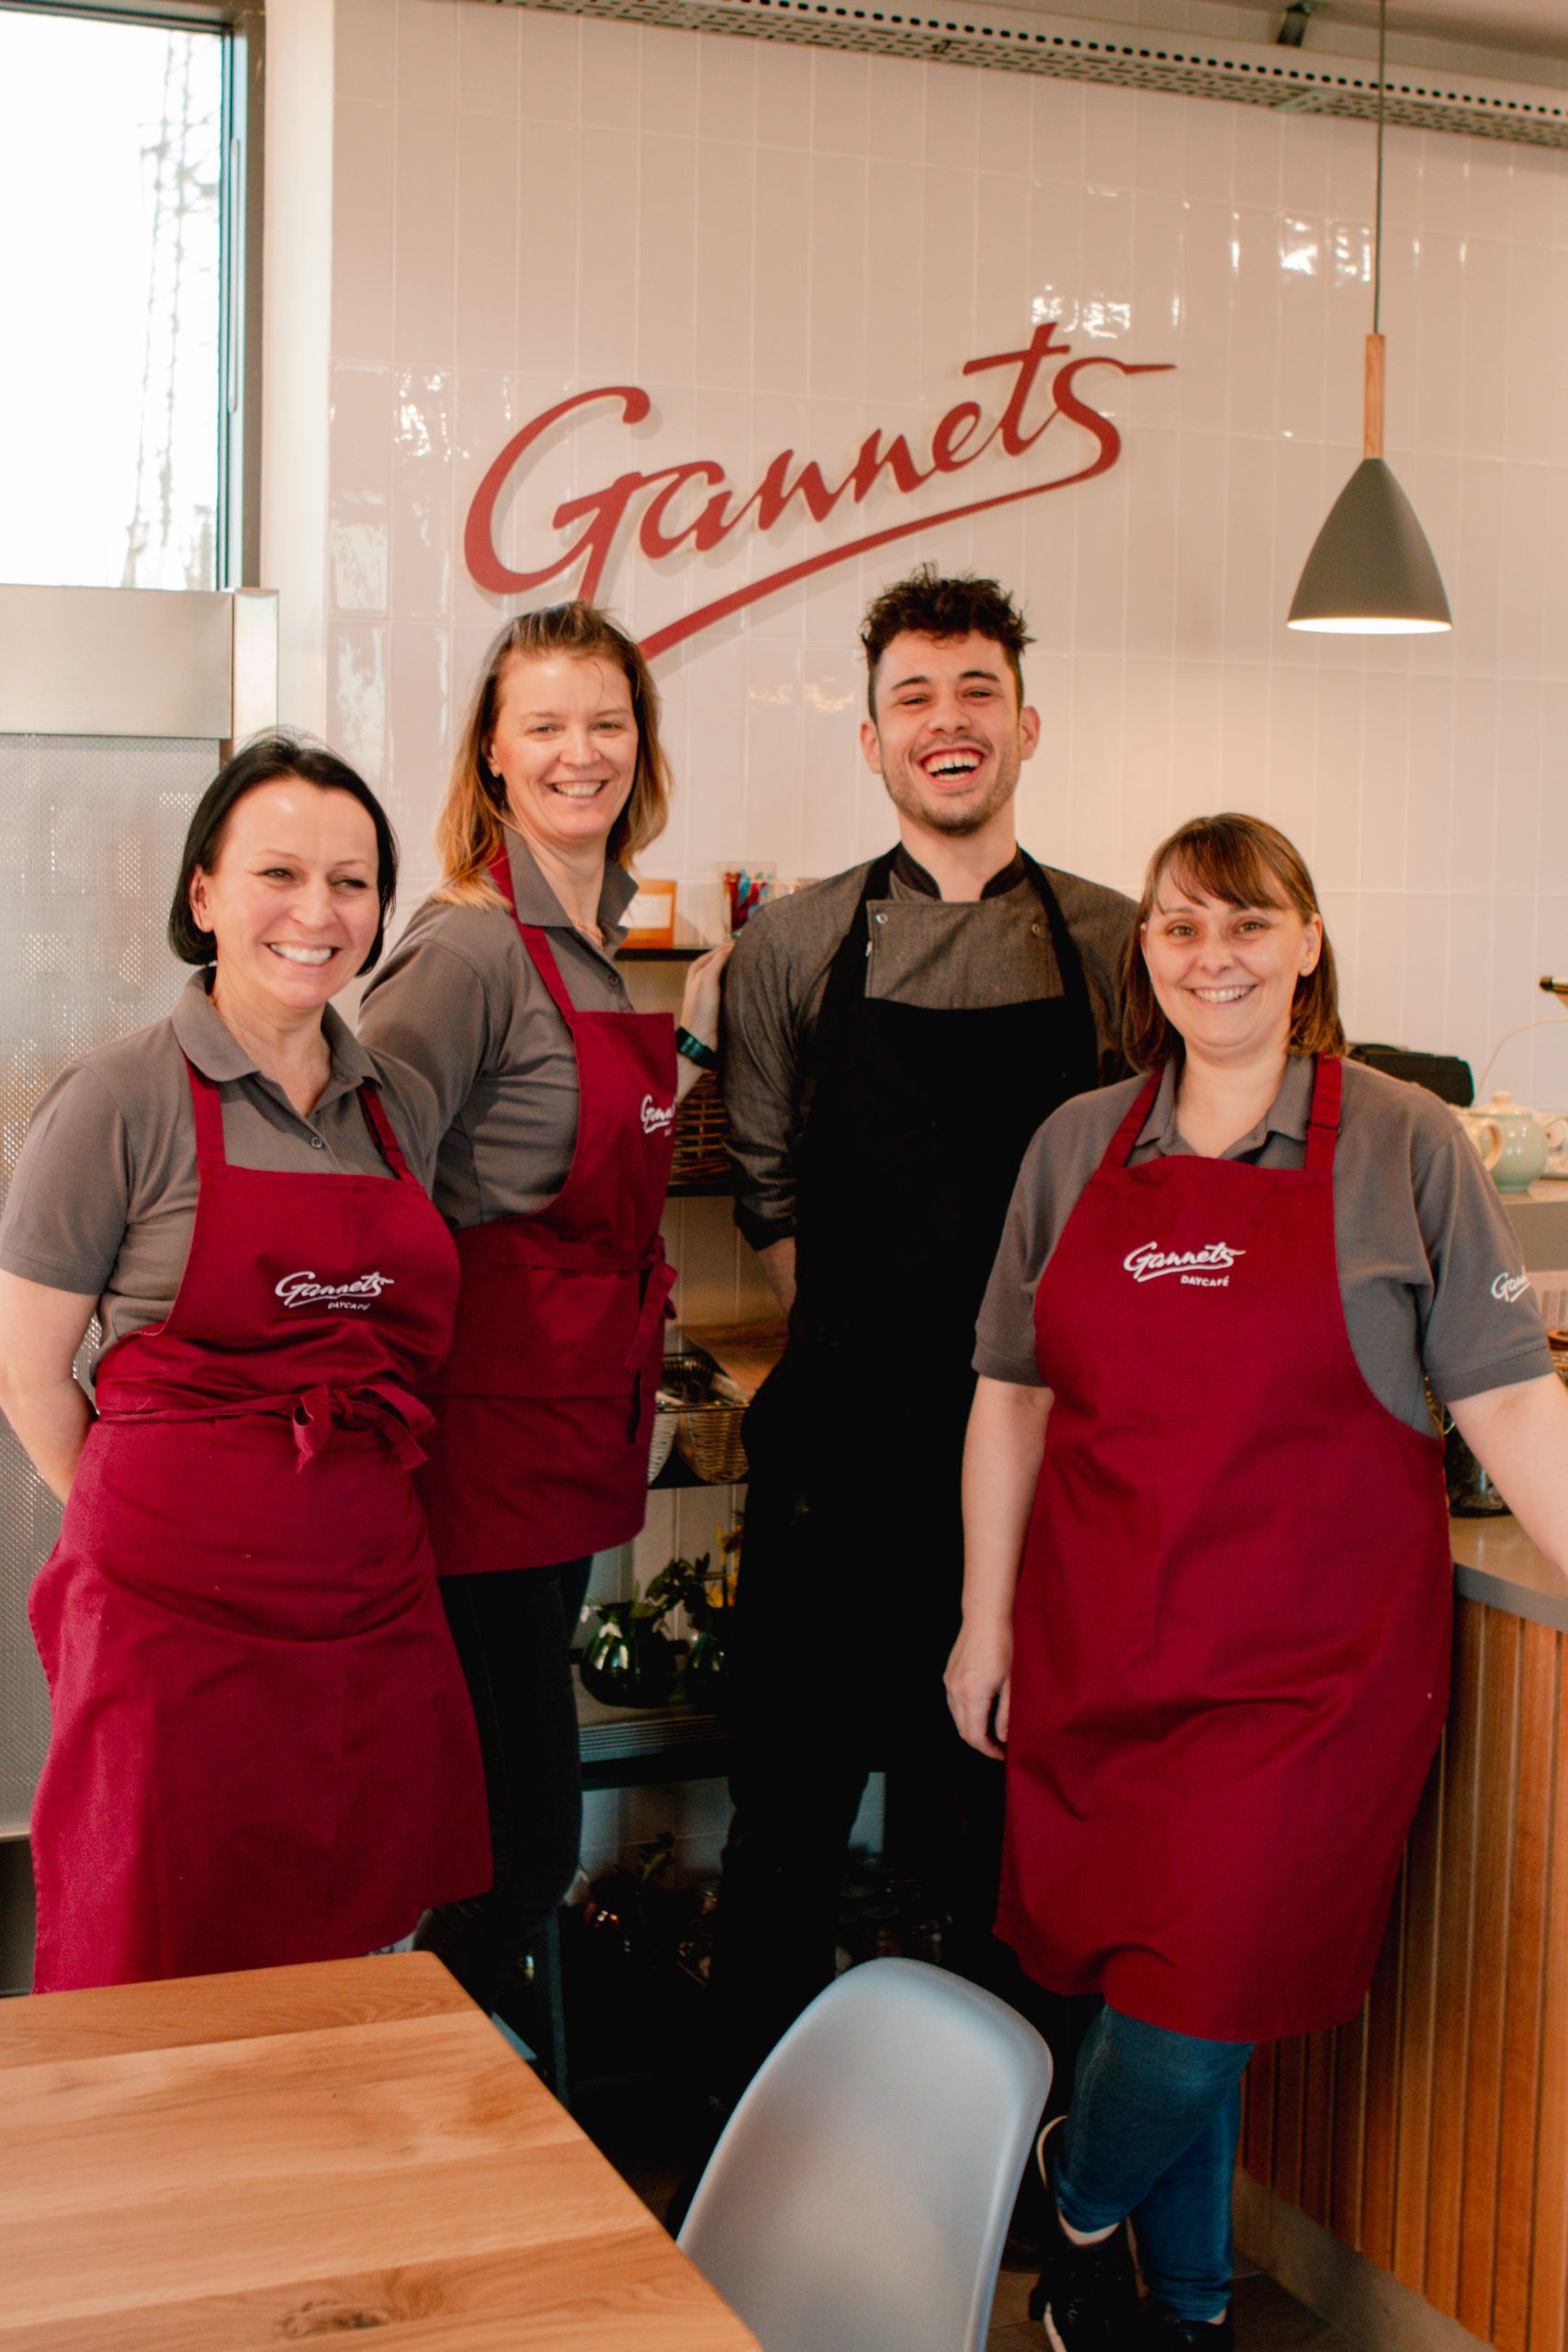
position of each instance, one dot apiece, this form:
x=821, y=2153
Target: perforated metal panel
x=91, y=830
x=1187, y=65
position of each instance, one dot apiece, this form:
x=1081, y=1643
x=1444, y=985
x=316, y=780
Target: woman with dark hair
x=262, y=1750
x=1208, y=1585
x=556, y=1105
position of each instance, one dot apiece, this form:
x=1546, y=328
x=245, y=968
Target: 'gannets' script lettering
x=694, y=508
x=1148, y=1261
x=304, y=1290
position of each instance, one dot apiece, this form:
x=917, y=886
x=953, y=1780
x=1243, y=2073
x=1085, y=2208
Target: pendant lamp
x=1371, y=572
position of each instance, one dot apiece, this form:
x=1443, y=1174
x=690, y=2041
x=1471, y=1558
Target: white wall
x=784, y=244
x=794, y=245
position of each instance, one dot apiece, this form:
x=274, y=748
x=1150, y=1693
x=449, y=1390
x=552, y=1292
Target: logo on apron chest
x=354, y=1298
x=1204, y=1269
x=656, y=1116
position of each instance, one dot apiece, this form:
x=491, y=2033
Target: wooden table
x=297, y=2155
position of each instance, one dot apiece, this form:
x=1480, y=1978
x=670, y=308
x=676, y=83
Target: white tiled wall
x=787, y=245
x=790, y=245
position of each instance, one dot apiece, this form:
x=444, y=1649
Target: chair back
x=859, y=2197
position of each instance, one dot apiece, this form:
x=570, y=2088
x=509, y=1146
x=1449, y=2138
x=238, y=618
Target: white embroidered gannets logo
x=352, y=1298
x=1205, y=1269
x=656, y=1116
x=1508, y=1287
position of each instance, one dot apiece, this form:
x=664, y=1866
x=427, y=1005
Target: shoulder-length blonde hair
x=471, y=830
x=1243, y=862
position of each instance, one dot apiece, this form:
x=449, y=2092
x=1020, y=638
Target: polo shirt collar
x=537, y=903
x=1287, y=1114
x=205, y=1038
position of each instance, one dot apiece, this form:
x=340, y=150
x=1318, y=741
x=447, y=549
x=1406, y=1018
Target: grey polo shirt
x=964, y=954
x=103, y=1200
x=1427, y=1259
x=459, y=999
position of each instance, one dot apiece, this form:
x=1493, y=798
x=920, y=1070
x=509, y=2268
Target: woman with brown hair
x=557, y=1108
x=1208, y=1586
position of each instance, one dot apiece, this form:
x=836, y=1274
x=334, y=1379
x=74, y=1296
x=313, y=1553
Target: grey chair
x=858, y=2198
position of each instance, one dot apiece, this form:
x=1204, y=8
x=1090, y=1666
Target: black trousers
x=796, y=1791
x=513, y=1632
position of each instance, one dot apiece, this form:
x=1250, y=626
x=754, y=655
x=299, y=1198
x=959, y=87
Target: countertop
x=1494, y=1562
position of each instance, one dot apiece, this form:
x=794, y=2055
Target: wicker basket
x=665, y=1422
x=700, y=1131
x=685, y=1380
x=709, y=1434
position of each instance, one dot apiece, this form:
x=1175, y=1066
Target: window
x=114, y=399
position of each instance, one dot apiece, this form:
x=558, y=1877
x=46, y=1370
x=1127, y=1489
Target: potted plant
x=706, y=1595
x=631, y=1660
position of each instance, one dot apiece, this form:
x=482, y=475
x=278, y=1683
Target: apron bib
x=1233, y=1622
x=262, y=1749
x=918, y=1123
x=545, y=1405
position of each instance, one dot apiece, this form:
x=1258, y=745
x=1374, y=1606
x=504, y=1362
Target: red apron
x=262, y=1749
x=546, y=1404
x=1232, y=1630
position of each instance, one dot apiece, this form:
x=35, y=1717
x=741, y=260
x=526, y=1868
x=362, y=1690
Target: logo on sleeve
x=352, y=1298
x=1509, y=1287
x=1204, y=1269
x=656, y=1116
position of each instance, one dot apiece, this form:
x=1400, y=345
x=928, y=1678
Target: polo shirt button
x=316, y=1144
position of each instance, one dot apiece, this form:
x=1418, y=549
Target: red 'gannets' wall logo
x=693, y=505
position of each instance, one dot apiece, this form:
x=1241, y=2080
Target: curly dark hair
x=935, y=605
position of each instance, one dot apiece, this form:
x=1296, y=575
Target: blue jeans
x=1151, y=2134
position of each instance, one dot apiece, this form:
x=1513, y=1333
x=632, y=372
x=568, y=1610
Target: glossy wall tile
x=790, y=250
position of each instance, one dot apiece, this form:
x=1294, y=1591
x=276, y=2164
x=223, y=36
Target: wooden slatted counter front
x=1431, y=2135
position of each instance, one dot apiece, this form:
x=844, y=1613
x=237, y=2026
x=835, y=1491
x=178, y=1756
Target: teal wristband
x=694, y=1050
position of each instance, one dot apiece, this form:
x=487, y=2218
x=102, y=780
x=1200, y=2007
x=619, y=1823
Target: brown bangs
x=1223, y=861
x=1243, y=862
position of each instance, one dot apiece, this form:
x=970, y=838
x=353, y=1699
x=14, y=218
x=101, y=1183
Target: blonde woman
x=557, y=1104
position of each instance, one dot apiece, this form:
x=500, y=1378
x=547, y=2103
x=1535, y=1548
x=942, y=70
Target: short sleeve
x=69, y=1204
x=1004, y=1333
x=1480, y=1329
x=427, y=1010
x=415, y=1114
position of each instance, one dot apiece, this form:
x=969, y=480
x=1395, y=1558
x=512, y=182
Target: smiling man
x=892, y=1039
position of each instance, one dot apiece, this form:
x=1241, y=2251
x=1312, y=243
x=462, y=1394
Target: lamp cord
x=1546, y=1021
x=1377, y=234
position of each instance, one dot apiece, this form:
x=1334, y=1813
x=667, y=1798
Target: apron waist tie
x=395, y=1414
x=655, y=1305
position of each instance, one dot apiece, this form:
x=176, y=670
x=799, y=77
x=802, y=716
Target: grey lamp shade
x=1371, y=572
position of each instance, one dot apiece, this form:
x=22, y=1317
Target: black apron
x=918, y=1123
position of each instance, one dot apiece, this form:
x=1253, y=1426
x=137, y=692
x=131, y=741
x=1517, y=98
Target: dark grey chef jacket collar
x=205, y=1038
x=913, y=875
x=537, y=903
x=1287, y=1114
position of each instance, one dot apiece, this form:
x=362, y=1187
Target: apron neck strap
x=536, y=941
x=207, y=1105
x=380, y=1127
x=1132, y=1126
x=1322, y=1125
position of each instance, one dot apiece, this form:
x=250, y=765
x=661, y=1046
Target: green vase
x=704, y=1666
x=629, y=1663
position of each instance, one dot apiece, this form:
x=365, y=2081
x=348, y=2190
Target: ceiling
x=1533, y=27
